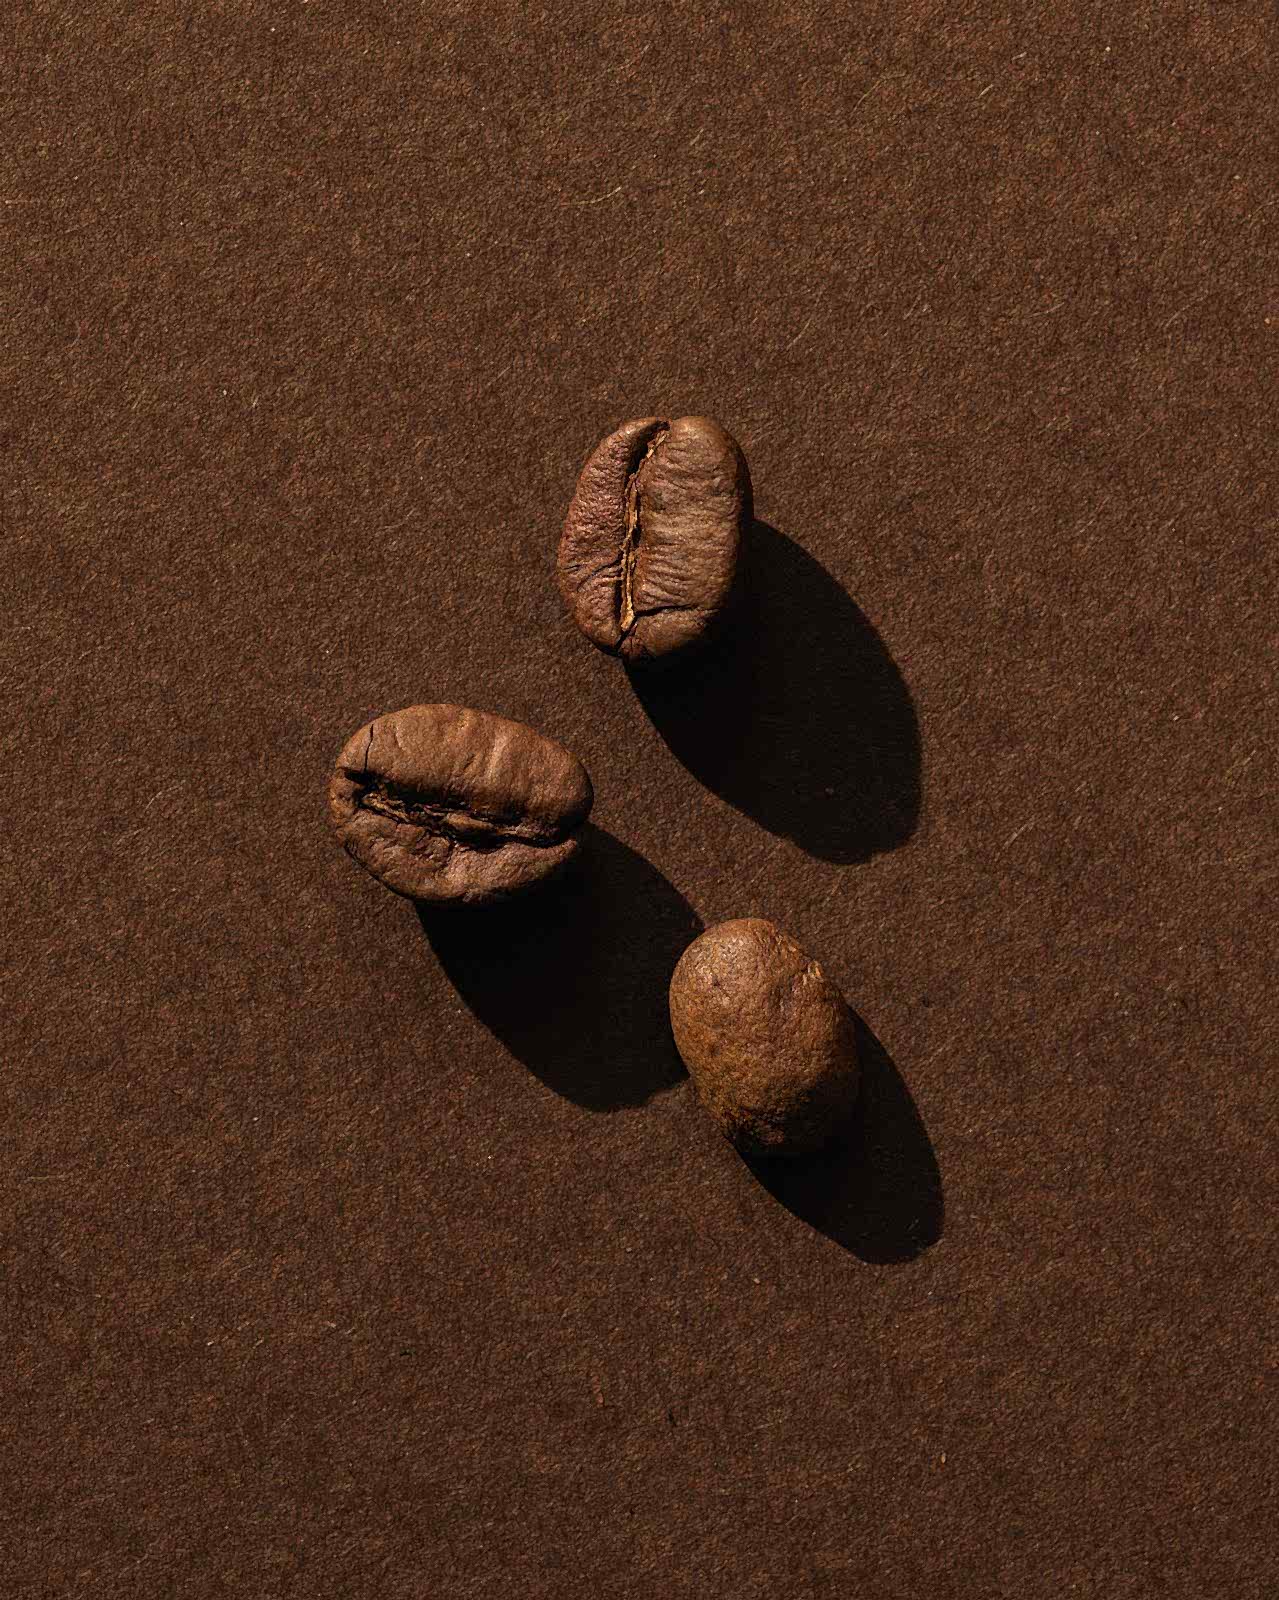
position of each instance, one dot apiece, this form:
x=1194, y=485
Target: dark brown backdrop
x=348, y=1258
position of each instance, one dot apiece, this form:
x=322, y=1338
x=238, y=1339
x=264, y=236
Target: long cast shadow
x=877, y=1189
x=796, y=714
x=573, y=977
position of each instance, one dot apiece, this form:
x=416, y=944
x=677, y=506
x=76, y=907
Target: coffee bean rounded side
x=444, y=804
x=649, y=550
x=767, y=1038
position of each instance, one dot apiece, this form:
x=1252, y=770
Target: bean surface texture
x=766, y=1036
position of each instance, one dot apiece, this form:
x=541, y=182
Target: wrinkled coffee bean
x=446, y=804
x=766, y=1036
x=649, y=548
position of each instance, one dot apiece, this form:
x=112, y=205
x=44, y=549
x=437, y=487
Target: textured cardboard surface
x=348, y=1257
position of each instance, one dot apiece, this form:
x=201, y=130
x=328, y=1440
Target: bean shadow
x=876, y=1189
x=796, y=714
x=573, y=977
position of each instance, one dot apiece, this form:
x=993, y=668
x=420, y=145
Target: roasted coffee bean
x=649, y=548
x=766, y=1036
x=446, y=804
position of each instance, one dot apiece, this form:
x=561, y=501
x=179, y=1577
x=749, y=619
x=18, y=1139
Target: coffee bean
x=445, y=804
x=649, y=548
x=766, y=1036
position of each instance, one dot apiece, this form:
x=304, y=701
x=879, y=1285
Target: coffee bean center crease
x=627, y=614
x=455, y=823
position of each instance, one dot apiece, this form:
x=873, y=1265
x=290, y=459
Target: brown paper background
x=341, y=1263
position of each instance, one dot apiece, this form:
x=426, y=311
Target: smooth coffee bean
x=446, y=804
x=649, y=548
x=766, y=1036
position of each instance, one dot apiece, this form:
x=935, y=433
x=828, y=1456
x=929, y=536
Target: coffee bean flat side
x=447, y=805
x=649, y=550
